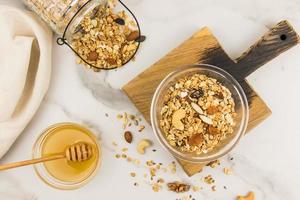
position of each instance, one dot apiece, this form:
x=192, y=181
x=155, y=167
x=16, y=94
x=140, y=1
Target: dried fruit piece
x=128, y=136
x=196, y=94
x=133, y=36
x=196, y=139
x=250, y=196
x=120, y=21
x=143, y=145
x=197, y=108
x=206, y=120
x=219, y=95
x=212, y=110
x=212, y=130
x=178, y=187
x=142, y=38
x=111, y=61
x=93, y=56
x=177, y=117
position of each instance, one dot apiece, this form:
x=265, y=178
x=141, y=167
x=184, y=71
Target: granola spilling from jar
x=106, y=39
x=198, y=114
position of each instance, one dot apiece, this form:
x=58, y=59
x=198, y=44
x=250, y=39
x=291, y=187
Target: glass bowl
x=53, y=136
x=241, y=108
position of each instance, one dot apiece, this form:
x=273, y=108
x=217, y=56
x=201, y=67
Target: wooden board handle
x=279, y=39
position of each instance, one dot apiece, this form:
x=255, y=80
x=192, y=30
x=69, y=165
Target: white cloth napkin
x=25, y=69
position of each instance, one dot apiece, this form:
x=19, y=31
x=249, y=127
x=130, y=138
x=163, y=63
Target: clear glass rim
x=159, y=134
x=46, y=177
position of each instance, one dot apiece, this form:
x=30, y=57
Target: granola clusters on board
x=106, y=39
x=198, y=114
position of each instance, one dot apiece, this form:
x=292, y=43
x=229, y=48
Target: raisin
x=196, y=94
x=142, y=38
x=120, y=21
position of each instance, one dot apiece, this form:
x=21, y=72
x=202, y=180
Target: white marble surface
x=266, y=161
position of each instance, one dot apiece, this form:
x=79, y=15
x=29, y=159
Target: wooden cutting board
x=203, y=47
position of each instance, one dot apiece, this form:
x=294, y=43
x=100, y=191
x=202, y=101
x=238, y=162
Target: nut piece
x=250, y=196
x=206, y=120
x=197, y=108
x=178, y=187
x=142, y=145
x=196, y=139
x=178, y=115
x=133, y=36
x=128, y=136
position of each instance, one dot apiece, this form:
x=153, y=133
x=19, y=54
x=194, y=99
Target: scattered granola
x=227, y=171
x=214, y=164
x=172, y=167
x=141, y=128
x=194, y=117
x=196, y=188
x=104, y=38
x=208, y=179
x=178, y=187
x=132, y=174
x=249, y=196
x=129, y=119
x=214, y=188
x=156, y=187
x=124, y=149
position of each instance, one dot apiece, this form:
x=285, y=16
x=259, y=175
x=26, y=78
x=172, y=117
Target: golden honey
x=55, y=140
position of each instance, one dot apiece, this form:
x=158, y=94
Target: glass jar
x=241, y=109
x=58, y=13
x=104, y=34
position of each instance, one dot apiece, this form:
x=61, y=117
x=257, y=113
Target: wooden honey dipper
x=78, y=152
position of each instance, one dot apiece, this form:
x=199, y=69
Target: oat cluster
x=105, y=39
x=198, y=114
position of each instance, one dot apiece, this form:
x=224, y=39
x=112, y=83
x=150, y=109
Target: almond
x=133, y=36
x=206, y=120
x=128, y=136
x=196, y=139
x=197, y=108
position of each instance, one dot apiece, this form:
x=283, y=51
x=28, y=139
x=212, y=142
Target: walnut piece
x=178, y=187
